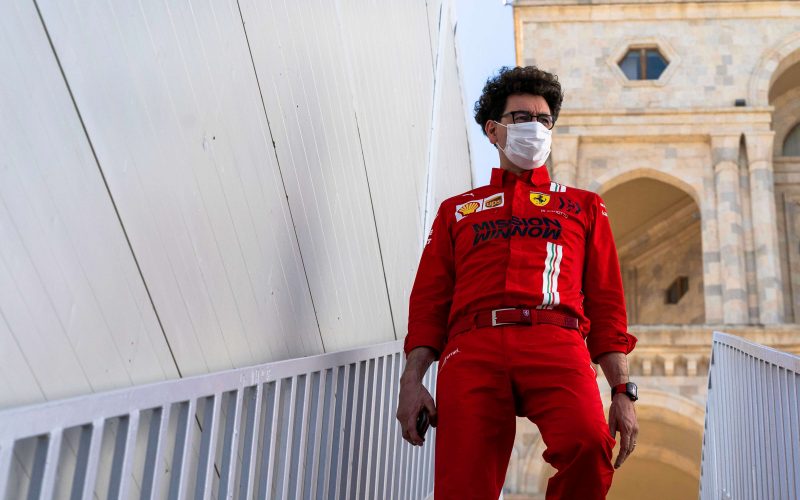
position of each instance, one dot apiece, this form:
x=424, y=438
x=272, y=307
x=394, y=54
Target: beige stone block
x=718, y=47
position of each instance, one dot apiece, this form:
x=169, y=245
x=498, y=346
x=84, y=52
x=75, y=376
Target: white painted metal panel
x=392, y=81
x=298, y=52
x=750, y=443
x=435, y=12
x=75, y=315
x=170, y=101
x=190, y=152
x=18, y=383
x=38, y=434
x=449, y=162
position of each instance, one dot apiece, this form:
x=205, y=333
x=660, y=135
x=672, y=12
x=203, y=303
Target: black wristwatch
x=628, y=389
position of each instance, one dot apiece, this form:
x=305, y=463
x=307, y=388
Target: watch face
x=632, y=390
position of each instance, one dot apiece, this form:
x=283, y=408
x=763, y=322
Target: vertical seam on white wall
x=280, y=173
x=105, y=183
x=468, y=117
x=375, y=222
x=428, y=29
x=351, y=85
x=437, y=100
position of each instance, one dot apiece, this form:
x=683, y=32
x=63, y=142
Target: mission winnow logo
x=534, y=227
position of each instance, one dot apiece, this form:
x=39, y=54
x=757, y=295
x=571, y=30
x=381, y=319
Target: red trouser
x=489, y=376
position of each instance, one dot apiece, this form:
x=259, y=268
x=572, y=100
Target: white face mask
x=527, y=144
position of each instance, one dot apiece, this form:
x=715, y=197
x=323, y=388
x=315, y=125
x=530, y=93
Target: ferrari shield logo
x=539, y=199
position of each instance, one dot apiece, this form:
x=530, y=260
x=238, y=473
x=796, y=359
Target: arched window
x=791, y=146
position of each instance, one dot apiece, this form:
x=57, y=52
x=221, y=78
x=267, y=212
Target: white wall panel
x=18, y=383
x=298, y=52
x=170, y=101
x=450, y=162
x=392, y=79
x=74, y=314
x=436, y=9
x=275, y=205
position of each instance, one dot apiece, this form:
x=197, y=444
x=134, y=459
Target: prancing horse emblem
x=539, y=199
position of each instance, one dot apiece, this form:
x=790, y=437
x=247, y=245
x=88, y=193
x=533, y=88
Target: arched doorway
x=666, y=463
x=657, y=230
x=784, y=96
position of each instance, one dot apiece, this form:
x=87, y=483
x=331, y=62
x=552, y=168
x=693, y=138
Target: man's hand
x=414, y=396
x=621, y=415
x=622, y=418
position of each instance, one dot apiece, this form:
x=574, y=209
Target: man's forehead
x=526, y=102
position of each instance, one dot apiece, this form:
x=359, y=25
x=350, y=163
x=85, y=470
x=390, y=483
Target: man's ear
x=491, y=131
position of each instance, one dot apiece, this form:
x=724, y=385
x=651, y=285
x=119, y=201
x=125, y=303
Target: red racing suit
x=520, y=241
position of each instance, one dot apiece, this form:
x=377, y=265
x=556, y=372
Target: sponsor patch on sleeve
x=468, y=208
x=494, y=201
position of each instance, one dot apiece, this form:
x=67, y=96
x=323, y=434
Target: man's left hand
x=622, y=418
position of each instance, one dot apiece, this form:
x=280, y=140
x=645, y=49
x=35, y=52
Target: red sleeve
x=432, y=294
x=604, y=300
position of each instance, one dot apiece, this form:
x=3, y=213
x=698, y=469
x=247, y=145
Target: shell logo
x=469, y=208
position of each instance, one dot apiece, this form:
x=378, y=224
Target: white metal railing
x=317, y=427
x=751, y=444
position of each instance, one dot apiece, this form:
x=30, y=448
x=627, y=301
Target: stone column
x=765, y=227
x=647, y=367
x=691, y=364
x=712, y=273
x=565, y=159
x=669, y=364
x=725, y=153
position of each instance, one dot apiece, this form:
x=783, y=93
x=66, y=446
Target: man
x=517, y=290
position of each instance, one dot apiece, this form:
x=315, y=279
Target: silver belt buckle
x=494, y=316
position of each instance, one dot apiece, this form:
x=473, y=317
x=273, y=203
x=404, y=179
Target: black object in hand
x=422, y=423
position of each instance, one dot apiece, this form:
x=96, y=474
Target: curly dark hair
x=518, y=80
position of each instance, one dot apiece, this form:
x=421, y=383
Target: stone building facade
x=699, y=165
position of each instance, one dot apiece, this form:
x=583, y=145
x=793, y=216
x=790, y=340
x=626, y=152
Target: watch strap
x=628, y=388
x=623, y=388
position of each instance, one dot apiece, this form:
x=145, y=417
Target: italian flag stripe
x=552, y=268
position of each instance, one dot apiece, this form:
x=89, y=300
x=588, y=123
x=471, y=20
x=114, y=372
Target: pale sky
x=485, y=38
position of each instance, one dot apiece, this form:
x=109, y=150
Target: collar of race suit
x=534, y=177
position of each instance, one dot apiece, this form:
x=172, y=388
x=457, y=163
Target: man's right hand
x=414, y=396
